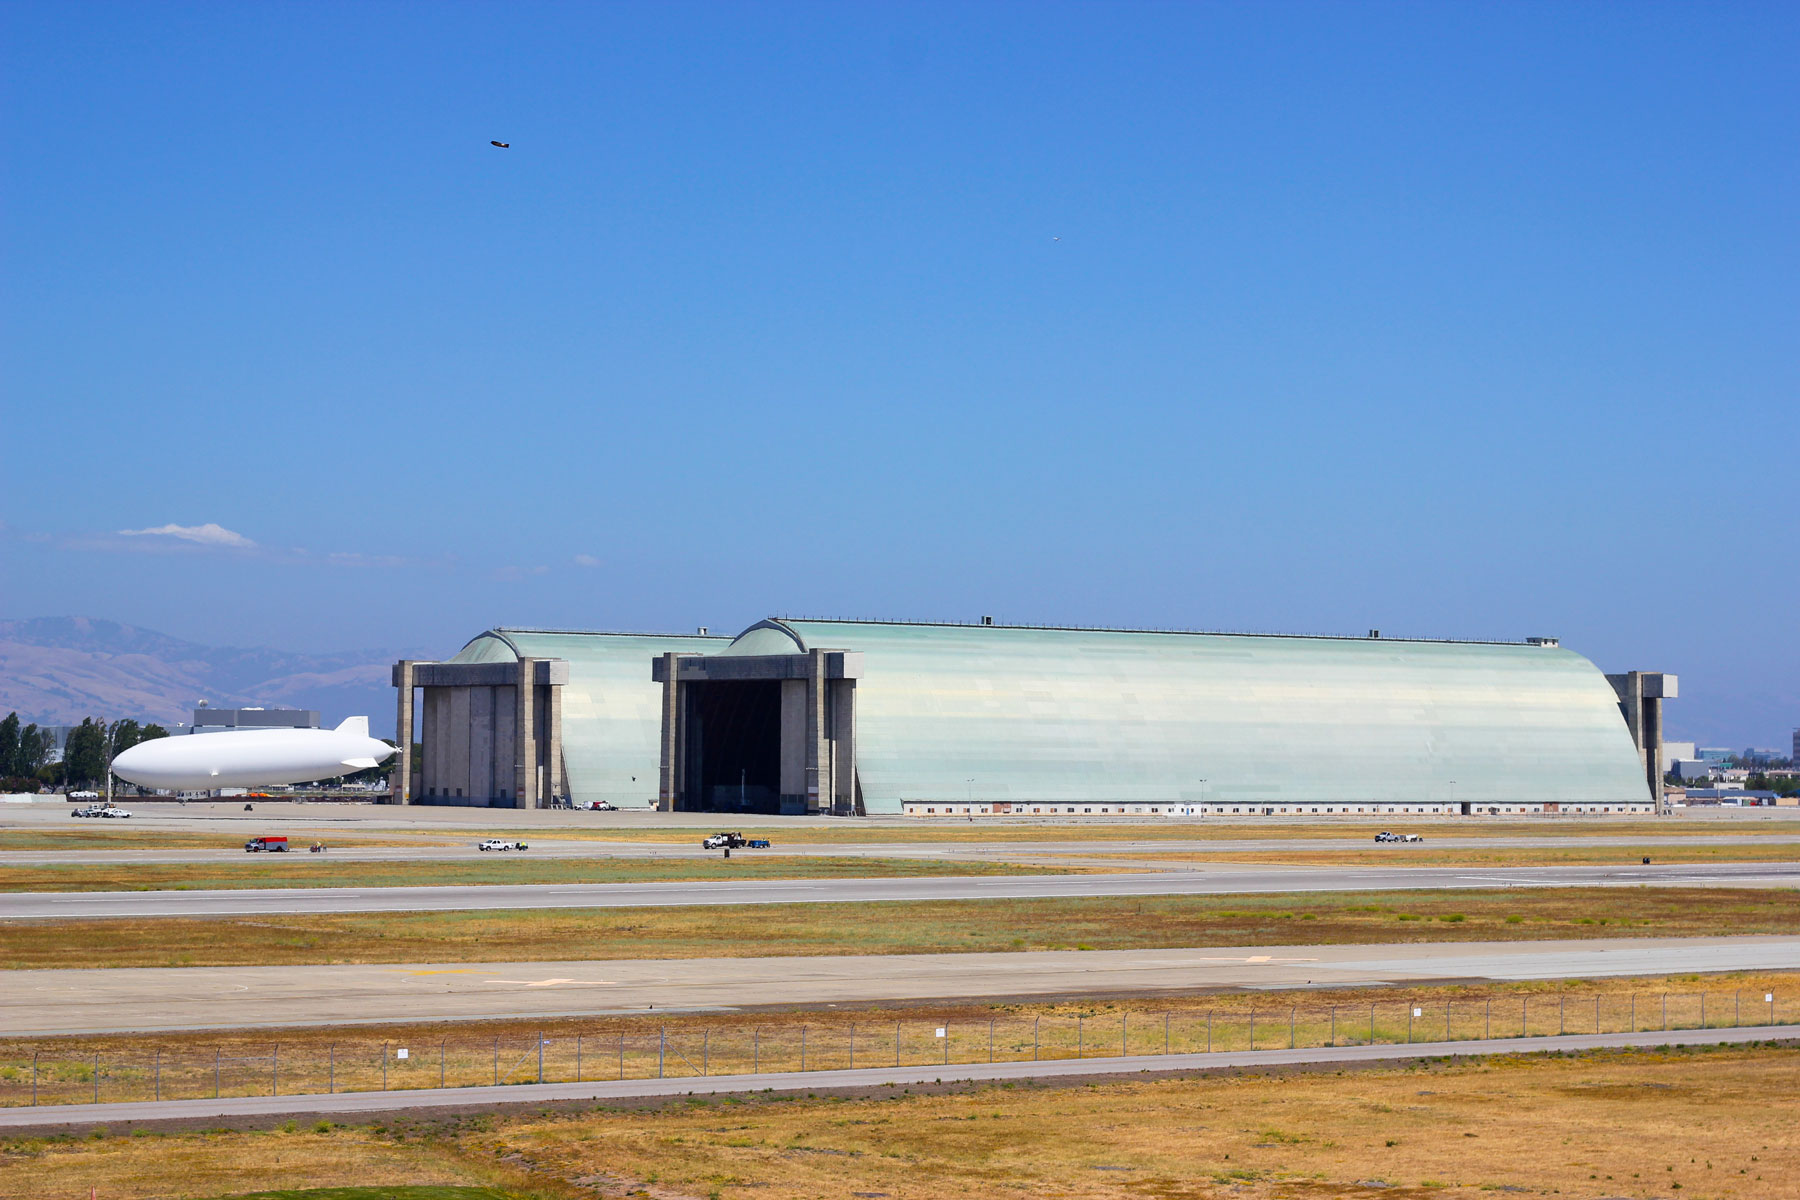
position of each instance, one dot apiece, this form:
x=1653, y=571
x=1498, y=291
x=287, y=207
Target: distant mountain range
x=57, y=670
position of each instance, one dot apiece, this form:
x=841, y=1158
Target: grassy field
x=115, y=835
x=318, y=871
x=1426, y=855
x=1076, y=923
x=1713, y=1123
x=328, y=1058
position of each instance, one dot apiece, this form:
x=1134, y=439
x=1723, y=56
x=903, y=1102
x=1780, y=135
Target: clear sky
x=1469, y=320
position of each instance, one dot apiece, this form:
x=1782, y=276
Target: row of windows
x=914, y=810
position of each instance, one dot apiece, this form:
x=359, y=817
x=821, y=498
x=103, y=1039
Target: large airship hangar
x=938, y=720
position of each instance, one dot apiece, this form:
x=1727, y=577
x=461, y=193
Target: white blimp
x=249, y=757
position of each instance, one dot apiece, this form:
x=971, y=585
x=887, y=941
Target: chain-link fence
x=696, y=1050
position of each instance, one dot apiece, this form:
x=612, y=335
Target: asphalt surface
x=363, y=1104
x=1220, y=879
x=1041, y=852
x=47, y=1003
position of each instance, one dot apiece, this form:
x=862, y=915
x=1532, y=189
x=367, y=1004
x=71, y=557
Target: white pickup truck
x=500, y=844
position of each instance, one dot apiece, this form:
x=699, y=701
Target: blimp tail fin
x=359, y=764
x=356, y=725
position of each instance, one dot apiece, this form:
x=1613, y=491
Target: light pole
x=971, y=796
x=1203, y=797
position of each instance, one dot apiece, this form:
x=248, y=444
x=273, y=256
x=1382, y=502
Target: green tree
x=84, y=755
x=34, y=749
x=10, y=758
x=151, y=732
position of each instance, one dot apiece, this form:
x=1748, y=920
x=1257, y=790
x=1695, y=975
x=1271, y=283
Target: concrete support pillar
x=843, y=742
x=668, y=786
x=553, y=742
x=1641, y=694
x=400, y=778
x=818, y=742
x=525, y=737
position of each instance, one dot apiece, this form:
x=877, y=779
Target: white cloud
x=586, y=560
x=208, y=534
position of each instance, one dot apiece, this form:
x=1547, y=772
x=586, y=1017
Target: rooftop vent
x=987, y=620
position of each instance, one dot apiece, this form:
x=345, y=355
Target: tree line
x=25, y=752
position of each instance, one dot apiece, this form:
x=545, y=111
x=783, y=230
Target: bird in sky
x=1056, y=239
x=502, y=145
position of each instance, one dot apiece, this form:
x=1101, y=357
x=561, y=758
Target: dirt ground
x=1712, y=1123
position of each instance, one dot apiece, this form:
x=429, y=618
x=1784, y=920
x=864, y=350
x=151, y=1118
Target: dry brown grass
x=1425, y=855
x=1087, y=922
x=1710, y=1123
x=305, y=870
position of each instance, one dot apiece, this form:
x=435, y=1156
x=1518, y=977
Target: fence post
x=946, y=1042
x=159, y=1073
x=1079, y=1022
x=1524, y=1015
x=1333, y=1025
x=1487, y=1020
x=540, y=1056
x=96, y=1077
x=215, y=1072
x=1446, y=1020
x=1634, y=1012
x=1665, y=1008
x=444, y=1043
x=1561, y=1028
x=1596, y=1013
x=756, y=1051
x=1034, y=1039
x=1165, y=1033
x=331, y=1070
x=34, y=1069
x=1703, y=1009
x=577, y=1058
x=1209, y=1031
x=990, y=1039
x=896, y=1043
x=853, y=1045
x=1371, y=1024
x=1737, y=1008
x=1409, y=1019
x=384, y=1058
x=1252, y=1025
x=1124, y=1051
x=621, y=1056
x=496, y=1062
x=803, y=1047
x=1292, y=1009
x=662, y=1042
x=706, y=1051
x=275, y=1070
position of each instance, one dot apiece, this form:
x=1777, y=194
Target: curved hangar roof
x=611, y=715
x=1083, y=714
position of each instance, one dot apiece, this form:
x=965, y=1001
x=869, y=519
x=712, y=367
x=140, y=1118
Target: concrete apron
x=421, y=1101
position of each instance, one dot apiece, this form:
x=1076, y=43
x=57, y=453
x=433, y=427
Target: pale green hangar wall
x=1071, y=714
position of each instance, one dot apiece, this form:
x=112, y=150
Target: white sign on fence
x=940, y=1033
x=400, y=1053
x=1418, y=1012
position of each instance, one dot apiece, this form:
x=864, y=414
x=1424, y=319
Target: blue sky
x=1448, y=319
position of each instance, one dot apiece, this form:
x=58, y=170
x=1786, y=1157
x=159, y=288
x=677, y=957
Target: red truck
x=274, y=845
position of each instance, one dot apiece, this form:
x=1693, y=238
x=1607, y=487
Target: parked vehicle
x=83, y=797
x=109, y=810
x=1385, y=836
x=758, y=843
x=316, y=848
x=273, y=845
x=723, y=841
x=500, y=844
x=602, y=806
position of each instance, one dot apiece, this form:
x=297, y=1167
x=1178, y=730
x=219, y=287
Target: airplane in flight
x=249, y=757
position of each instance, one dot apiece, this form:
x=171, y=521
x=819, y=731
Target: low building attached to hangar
x=936, y=720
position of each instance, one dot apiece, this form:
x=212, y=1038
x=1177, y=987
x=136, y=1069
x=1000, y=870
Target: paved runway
x=364, y=1104
x=1048, y=851
x=56, y=1002
x=1220, y=879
